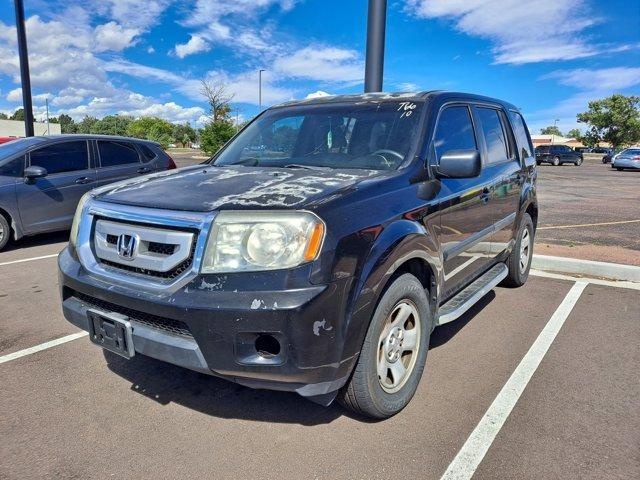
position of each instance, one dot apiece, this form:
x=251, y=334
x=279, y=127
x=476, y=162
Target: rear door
x=118, y=160
x=503, y=165
x=465, y=220
x=49, y=203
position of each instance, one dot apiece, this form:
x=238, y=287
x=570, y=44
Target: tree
x=152, y=128
x=67, y=125
x=575, y=133
x=3, y=116
x=217, y=97
x=184, y=133
x=111, y=125
x=86, y=124
x=18, y=115
x=615, y=119
x=551, y=130
x=215, y=134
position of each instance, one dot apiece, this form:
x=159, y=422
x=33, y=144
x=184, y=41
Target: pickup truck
x=317, y=250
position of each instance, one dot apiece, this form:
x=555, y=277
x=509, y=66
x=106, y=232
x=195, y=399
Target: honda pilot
x=317, y=250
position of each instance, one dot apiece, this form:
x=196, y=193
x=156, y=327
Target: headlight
x=77, y=218
x=256, y=240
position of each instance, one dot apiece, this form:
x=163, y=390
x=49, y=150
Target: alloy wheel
x=525, y=250
x=398, y=346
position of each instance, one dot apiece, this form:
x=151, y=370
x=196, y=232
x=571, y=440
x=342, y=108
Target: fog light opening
x=267, y=346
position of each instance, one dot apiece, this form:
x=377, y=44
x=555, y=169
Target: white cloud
x=15, y=95
x=521, y=31
x=323, y=63
x=151, y=50
x=113, y=37
x=409, y=87
x=196, y=44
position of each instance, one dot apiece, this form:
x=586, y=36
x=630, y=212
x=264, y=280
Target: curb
x=574, y=266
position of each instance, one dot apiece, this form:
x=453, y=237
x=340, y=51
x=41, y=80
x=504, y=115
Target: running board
x=464, y=300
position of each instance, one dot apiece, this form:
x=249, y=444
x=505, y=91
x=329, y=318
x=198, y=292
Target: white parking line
x=595, y=281
x=29, y=259
x=42, y=346
x=475, y=448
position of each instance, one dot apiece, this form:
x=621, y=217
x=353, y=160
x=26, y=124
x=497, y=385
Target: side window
x=454, y=131
x=494, y=137
x=522, y=135
x=147, y=153
x=62, y=157
x=117, y=153
x=12, y=168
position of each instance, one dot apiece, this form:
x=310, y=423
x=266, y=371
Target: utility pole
x=376, y=25
x=555, y=124
x=260, y=88
x=24, y=69
x=46, y=102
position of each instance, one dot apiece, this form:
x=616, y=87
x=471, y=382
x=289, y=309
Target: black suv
x=557, y=155
x=317, y=251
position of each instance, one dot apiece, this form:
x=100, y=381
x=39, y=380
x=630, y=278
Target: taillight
x=171, y=165
x=637, y=157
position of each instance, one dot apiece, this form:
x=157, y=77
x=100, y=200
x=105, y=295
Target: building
x=15, y=128
x=560, y=140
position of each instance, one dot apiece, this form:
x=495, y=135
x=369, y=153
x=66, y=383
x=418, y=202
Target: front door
x=466, y=218
x=49, y=203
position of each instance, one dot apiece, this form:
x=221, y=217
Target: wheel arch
x=16, y=231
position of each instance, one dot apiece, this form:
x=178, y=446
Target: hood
x=205, y=188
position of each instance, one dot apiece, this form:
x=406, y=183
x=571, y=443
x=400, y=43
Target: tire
x=578, y=162
x=367, y=393
x=538, y=163
x=518, y=273
x=619, y=169
x=5, y=232
x=556, y=161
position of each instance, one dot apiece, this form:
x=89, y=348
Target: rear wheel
x=5, y=232
x=619, y=169
x=393, y=354
x=519, y=262
x=556, y=161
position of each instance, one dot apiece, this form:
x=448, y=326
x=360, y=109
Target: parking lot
x=537, y=382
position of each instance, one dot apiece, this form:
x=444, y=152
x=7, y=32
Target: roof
x=82, y=136
x=389, y=96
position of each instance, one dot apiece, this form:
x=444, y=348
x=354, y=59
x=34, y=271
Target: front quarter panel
x=9, y=204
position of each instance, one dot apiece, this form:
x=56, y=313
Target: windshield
x=365, y=136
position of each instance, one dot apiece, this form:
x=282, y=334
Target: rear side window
x=147, y=153
x=522, y=135
x=12, y=168
x=454, y=131
x=117, y=153
x=494, y=137
x=62, y=157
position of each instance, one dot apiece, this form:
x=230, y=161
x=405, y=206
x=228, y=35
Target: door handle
x=82, y=180
x=144, y=170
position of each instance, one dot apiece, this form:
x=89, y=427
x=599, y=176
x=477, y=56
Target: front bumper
x=203, y=327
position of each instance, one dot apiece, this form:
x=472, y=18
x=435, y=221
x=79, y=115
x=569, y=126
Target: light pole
x=374, y=66
x=24, y=69
x=555, y=125
x=260, y=88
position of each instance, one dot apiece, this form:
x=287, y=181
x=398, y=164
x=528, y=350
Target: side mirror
x=460, y=164
x=32, y=173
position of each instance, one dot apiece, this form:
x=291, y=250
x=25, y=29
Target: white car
x=628, y=158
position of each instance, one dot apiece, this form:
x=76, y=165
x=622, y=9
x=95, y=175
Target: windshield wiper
x=306, y=167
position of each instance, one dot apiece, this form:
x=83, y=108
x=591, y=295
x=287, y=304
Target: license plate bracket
x=112, y=332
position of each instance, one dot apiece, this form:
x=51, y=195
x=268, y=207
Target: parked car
x=627, y=159
x=609, y=154
x=582, y=150
x=43, y=178
x=317, y=251
x=557, y=155
x=7, y=139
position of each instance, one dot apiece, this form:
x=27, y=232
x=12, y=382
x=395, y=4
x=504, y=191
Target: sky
x=136, y=57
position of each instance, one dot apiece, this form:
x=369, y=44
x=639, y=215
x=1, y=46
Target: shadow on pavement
x=165, y=383
x=446, y=332
x=37, y=240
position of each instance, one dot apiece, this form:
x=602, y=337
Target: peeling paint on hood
x=207, y=188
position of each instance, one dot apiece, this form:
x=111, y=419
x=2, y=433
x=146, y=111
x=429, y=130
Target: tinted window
x=117, y=153
x=147, y=153
x=12, y=168
x=62, y=157
x=522, y=135
x=493, y=135
x=454, y=131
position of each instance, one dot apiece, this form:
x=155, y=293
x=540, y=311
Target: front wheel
x=5, y=232
x=393, y=354
x=578, y=162
x=619, y=169
x=556, y=161
x=519, y=262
